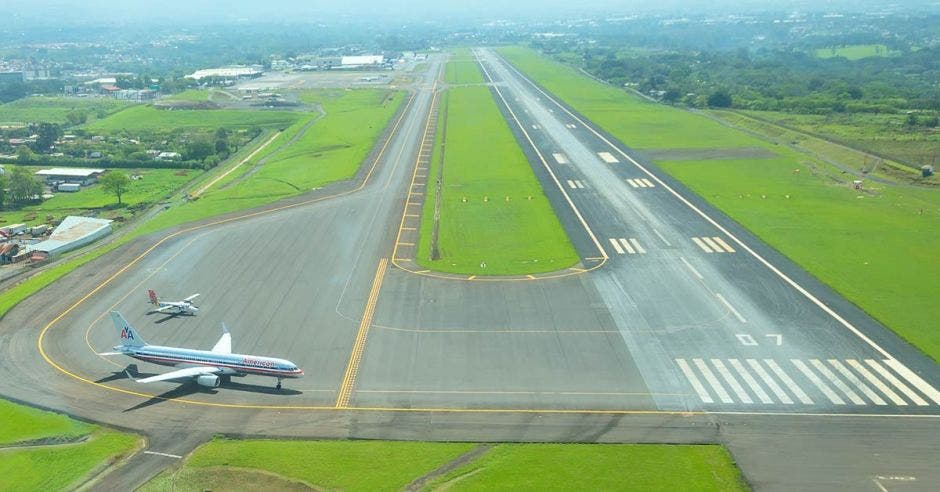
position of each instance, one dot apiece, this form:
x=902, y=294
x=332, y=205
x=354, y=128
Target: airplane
x=209, y=368
x=185, y=306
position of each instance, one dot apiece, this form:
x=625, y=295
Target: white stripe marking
x=735, y=386
x=693, y=379
x=721, y=242
x=702, y=245
x=859, y=368
x=560, y=158
x=844, y=388
x=648, y=182
x=794, y=388
x=633, y=183
x=769, y=381
x=608, y=157
x=903, y=388
x=750, y=381
x=833, y=397
x=694, y=271
x=852, y=378
x=627, y=246
x=713, y=381
x=662, y=238
x=163, y=454
x=616, y=246
x=731, y=308
x=636, y=245
x=924, y=387
x=713, y=245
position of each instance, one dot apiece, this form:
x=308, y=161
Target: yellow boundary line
x=352, y=367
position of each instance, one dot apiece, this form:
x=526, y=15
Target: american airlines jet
x=208, y=368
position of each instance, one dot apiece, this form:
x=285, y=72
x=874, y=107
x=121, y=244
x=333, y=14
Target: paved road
x=589, y=357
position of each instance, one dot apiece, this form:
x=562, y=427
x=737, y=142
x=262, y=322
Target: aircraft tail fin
x=153, y=297
x=129, y=336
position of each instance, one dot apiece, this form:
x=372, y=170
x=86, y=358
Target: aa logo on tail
x=127, y=334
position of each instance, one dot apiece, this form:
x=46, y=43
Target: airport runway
x=692, y=330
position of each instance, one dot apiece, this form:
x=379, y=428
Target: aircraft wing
x=224, y=345
x=189, y=372
x=190, y=298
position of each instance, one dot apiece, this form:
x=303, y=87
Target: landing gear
x=278, y=384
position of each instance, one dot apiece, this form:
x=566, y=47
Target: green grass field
x=853, y=52
x=462, y=68
x=494, y=217
x=139, y=118
x=55, y=109
x=49, y=466
x=878, y=250
x=334, y=465
x=391, y=465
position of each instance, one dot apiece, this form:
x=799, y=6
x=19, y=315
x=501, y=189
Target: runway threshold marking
x=352, y=367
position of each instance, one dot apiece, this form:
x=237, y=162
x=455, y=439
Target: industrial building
x=79, y=175
x=74, y=232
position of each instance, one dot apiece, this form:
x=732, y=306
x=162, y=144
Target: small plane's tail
x=129, y=336
x=153, y=297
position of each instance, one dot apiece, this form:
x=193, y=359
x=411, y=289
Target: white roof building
x=73, y=232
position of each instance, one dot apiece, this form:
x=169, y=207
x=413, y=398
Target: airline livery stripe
x=792, y=386
x=735, y=386
x=859, y=368
x=826, y=390
x=774, y=387
x=847, y=374
x=693, y=379
x=844, y=388
x=713, y=381
x=924, y=387
x=903, y=388
x=750, y=381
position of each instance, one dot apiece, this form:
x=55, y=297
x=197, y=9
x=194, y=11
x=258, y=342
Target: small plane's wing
x=189, y=372
x=224, y=345
x=190, y=298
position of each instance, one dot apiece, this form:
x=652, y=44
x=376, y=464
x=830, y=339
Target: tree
x=48, y=133
x=116, y=183
x=24, y=185
x=720, y=99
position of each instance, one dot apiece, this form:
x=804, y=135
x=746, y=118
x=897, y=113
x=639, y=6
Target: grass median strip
x=875, y=246
x=494, y=217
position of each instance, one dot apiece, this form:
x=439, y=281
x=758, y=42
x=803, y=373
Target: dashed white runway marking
x=608, y=157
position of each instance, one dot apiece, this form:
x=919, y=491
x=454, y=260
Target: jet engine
x=208, y=380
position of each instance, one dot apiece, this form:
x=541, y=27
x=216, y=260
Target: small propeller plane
x=209, y=368
x=185, y=306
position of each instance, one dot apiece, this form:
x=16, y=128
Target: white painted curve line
x=885, y=390
x=733, y=383
x=648, y=183
x=903, y=388
x=838, y=383
x=694, y=381
x=769, y=381
x=616, y=245
x=702, y=245
x=692, y=268
x=791, y=385
x=923, y=386
x=713, y=381
x=813, y=378
x=661, y=237
x=731, y=308
x=792, y=283
x=750, y=381
x=636, y=246
x=721, y=242
x=155, y=453
x=608, y=157
x=852, y=378
x=560, y=158
x=627, y=247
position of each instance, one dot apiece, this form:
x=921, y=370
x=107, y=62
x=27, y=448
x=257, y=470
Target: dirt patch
x=708, y=154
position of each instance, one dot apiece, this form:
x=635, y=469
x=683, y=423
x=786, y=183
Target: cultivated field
x=55, y=109
x=391, y=465
x=876, y=247
x=47, y=451
x=494, y=217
